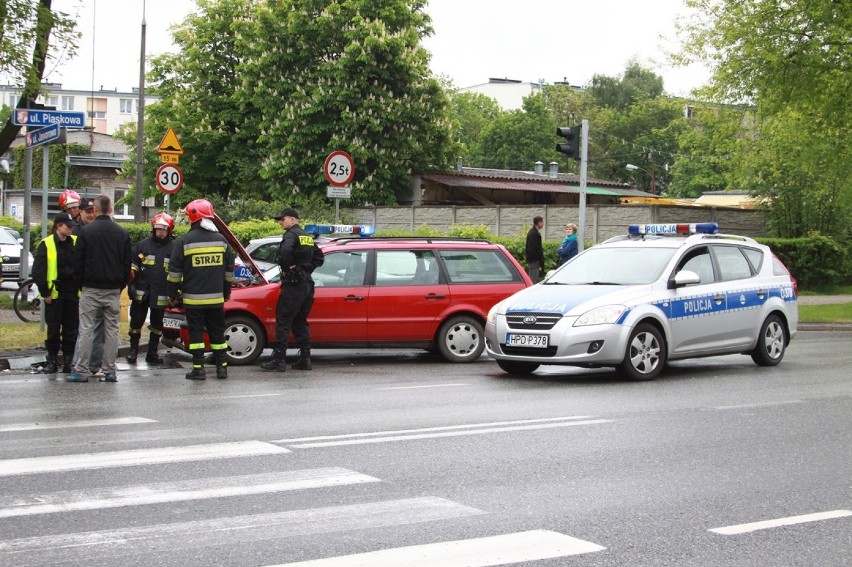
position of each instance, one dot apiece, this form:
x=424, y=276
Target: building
x=510, y=93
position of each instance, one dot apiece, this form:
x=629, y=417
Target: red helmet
x=163, y=220
x=69, y=198
x=199, y=209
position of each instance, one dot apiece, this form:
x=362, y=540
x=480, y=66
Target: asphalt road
x=415, y=462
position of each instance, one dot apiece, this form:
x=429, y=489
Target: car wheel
x=645, y=355
x=461, y=339
x=771, y=343
x=518, y=368
x=245, y=338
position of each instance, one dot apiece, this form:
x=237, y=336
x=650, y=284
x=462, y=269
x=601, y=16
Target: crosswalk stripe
x=157, y=493
x=101, y=546
x=104, y=440
x=410, y=437
x=479, y=552
x=80, y=423
x=778, y=522
x=133, y=457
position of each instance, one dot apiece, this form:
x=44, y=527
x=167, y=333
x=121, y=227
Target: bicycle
x=27, y=302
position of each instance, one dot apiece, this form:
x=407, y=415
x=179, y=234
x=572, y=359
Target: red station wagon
x=409, y=292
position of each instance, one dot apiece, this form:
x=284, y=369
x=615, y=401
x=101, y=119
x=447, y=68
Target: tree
x=470, y=114
x=635, y=85
x=348, y=75
x=26, y=28
x=518, y=139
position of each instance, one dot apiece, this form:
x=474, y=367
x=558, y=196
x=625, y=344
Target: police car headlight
x=600, y=315
x=492, y=313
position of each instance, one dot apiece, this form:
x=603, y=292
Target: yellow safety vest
x=52, y=264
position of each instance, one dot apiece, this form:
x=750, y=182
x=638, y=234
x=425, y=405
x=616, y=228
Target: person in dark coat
x=533, y=249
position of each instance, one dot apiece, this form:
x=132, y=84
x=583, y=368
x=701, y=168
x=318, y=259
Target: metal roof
x=530, y=182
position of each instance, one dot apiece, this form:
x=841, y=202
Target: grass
x=834, y=313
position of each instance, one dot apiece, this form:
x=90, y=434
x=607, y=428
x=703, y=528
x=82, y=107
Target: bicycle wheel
x=27, y=302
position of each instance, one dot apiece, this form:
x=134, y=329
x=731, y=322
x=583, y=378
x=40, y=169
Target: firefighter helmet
x=199, y=209
x=163, y=220
x=69, y=198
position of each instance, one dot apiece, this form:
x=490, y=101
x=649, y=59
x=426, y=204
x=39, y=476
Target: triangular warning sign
x=170, y=144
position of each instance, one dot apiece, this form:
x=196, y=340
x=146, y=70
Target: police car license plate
x=529, y=341
x=172, y=323
x=11, y=267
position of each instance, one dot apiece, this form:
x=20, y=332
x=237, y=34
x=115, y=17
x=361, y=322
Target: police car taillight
x=364, y=231
x=674, y=228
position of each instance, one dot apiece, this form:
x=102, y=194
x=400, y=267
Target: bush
x=816, y=261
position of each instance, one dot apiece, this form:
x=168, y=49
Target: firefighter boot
x=135, y=334
x=197, y=372
x=66, y=364
x=278, y=363
x=51, y=367
x=304, y=362
x=153, y=342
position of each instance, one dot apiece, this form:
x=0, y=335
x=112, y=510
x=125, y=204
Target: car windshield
x=6, y=237
x=614, y=266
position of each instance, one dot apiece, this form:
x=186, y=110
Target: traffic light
x=571, y=145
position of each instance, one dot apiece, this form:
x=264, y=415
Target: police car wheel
x=245, y=339
x=461, y=339
x=645, y=355
x=771, y=342
x=518, y=368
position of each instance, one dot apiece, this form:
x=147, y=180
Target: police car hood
x=573, y=299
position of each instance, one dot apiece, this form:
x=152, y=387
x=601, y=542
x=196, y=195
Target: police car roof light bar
x=673, y=228
x=364, y=231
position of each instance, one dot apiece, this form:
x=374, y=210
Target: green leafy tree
x=470, y=114
x=518, y=139
x=635, y=85
x=348, y=75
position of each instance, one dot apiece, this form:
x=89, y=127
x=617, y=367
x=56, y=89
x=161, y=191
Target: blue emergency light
x=674, y=228
x=364, y=231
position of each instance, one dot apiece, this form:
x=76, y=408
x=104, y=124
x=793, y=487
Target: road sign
x=169, y=158
x=32, y=118
x=338, y=192
x=169, y=178
x=339, y=169
x=170, y=144
x=46, y=135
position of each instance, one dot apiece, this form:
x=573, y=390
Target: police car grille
x=526, y=351
x=524, y=321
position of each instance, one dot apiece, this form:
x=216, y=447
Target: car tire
x=246, y=340
x=645, y=355
x=771, y=343
x=461, y=339
x=517, y=368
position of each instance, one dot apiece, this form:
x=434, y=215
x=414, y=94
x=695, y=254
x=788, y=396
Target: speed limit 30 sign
x=339, y=169
x=169, y=178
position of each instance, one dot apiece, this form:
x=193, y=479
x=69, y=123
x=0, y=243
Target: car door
x=744, y=295
x=341, y=296
x=408, y=297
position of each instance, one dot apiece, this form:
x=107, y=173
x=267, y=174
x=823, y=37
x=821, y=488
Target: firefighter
x=69, y=203
x=201, y=270
x=148, y=286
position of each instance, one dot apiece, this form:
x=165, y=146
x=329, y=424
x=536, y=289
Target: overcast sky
x=527, y=40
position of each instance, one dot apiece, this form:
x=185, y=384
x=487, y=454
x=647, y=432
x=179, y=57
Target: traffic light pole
x=584, y=154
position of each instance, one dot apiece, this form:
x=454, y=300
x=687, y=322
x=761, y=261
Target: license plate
x=11, y=267
x=529, y=341
x=171, y=323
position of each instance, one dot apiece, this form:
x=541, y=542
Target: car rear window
x=478, y=266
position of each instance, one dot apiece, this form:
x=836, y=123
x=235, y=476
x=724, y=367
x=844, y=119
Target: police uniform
x=201, y=271
x=148, y=290
x=297, y=260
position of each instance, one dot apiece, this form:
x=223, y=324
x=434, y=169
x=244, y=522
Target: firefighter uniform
x=148, y=290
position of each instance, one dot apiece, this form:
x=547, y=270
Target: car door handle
x=761, y=294
x=354, y=298
x=719, y=298
x=434, y=296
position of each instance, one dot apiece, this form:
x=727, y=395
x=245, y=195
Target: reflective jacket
x=150, y=267
x=53, y=267
x=201, y=269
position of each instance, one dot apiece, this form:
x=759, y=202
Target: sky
x=473, y=40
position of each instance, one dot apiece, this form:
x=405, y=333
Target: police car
x=661, y=292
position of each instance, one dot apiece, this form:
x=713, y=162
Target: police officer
x=297, y=257
x=148, y=286
x=201, y=270
x=53, y=273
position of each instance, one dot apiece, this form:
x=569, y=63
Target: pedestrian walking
x=103, y=268
x=201, y=271
x=54, y=275
x=147, y=289
x=533, y=249
x=568, y=248
x=298, y=256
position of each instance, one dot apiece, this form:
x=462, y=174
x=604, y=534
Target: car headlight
x=600, y=315
x=492, y=313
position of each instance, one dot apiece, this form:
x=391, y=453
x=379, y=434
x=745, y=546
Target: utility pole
x=140, y=129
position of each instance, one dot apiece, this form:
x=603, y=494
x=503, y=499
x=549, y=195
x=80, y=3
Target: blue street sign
x=31, y=117
x=44, y=135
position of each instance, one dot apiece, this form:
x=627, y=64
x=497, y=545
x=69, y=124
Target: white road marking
x=81, y=423
x=760, y=405
x=479, y=552
x=108, y=545
x=248, y=396
x=195, y=489
x=422, y=386
x=410, y=437
x=135, y=457
x=789, y=521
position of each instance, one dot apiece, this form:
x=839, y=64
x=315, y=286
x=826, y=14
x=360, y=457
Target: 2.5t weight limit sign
x=339, y=169
x=169, y=178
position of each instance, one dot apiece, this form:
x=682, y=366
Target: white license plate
x=11, y=267
x=170, y=323
x=529, y=341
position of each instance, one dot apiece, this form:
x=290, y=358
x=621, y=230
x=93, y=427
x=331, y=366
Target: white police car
x=662, y=292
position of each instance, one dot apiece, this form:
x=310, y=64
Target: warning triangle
x=170, y=144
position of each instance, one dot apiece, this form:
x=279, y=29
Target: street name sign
x=46, y=135
x=32, y=118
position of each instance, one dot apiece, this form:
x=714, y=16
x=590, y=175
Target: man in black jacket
x=533, y=249
x=103, y=268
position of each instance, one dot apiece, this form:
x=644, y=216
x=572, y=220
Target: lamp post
x=140, y=128
x=650, y=173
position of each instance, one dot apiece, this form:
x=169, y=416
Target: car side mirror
x=684, y=278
